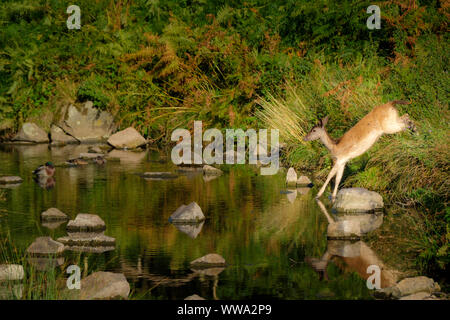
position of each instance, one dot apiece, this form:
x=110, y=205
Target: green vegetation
x=157, y=65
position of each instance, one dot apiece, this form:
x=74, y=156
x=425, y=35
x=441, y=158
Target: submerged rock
x=86, y=222
x=357, y=200
x=127, y=139
x=191, y=213
x=11, y=272
x=103, y=285
x=45, y=246
x=30, y=132
x=208, y=261
x=86, y=123
x=53, y=214
x=209, y=170
x=159, y=175
x=291, y=177
x=10, y=180
x=194, y=297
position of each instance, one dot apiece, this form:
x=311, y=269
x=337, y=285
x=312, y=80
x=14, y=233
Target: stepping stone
x=10, y=180
x=53, y=214
x=303, y=181
x=87, y=239
x=103, y=285
x=357, y=200
x=45, y=246
x=208, y=261
x=86, y=222
x=191, y=213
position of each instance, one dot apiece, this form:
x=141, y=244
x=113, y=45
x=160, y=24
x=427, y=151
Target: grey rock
x=86, y=222
x=414, y=285
x=10, y=180
x=191, y=213
x=303, y=181
x=87, y=239
x=45, y=246
x=357, y=200
x=127, y=139
x=194, y=297
x=103, y=285
x=11, y=272
x=59, y=137
x=291, y=177
x=209, y=170
x=30, y=132
x=86, y=123
x=53, y=214
x=208, y=261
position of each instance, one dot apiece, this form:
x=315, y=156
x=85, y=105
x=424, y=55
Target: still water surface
x=272, y=241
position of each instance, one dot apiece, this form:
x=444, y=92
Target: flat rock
x=53, y=214
x=159, y=175
x=104, y=285
x=30, y=132
x=303, y=181
x=127, y=139
x=417, y=296
x=10, y=180
x=191, y=213
x=414, y=285
x=86, y=222
x=357, y=200
x=59, y=137
x=11, y=272
x=194, y=297
x=45, y=246
x=87, y=239
x=291, y=177
x=210, y=170
x=86, y=123
x=208, y=261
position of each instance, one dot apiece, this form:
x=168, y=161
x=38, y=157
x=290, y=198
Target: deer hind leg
x=330, y=175
x=339, y=173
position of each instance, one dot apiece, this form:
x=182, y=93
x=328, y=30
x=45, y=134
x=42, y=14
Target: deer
x=383, y=119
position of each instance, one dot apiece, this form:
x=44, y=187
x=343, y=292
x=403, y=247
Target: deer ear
x=324, y=122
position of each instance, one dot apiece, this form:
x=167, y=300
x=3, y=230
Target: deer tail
x=400, y=102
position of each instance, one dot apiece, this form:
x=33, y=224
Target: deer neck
x=328, y=142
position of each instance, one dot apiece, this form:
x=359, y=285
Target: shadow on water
x=275, y=242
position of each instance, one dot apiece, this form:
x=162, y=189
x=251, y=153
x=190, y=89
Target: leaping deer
x=383, y=119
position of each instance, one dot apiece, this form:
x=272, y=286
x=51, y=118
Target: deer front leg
x=330, y=175
x=339, y=173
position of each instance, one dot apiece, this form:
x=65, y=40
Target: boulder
x=191, y=213
x=414, y=285
x=303, y=181
x=417, y=296
x=30, y=132
x=86, y=222
x=127, y=139
x=291, y=177
x=45, y=246
x=208, y=261
x=10, y=180
x=357, y=200
x=86, y=123
x=53, y=214
x=209, y=170
x=59, y=137
x=194, y=297
x=103, y=285
x=11, y=272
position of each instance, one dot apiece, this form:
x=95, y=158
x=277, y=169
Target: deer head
x=317, y=131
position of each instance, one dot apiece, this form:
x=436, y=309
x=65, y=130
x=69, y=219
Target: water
x=275, y=243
